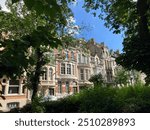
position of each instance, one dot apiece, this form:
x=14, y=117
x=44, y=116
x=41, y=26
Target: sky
x=96, y=30
x=94, y=27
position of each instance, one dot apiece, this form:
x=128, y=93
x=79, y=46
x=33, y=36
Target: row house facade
x=69, y=74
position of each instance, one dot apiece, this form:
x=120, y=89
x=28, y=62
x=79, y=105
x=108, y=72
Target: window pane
x=81, y=74
x=44, y=76
x=75, y=90
x=66, y=55
x=51, y=74
x=72, y=55
x=67, y=87
x=86, y=73
x=13, y=105
x=13, y=89
x=73, y=70
x=51, y=91
x=68, y=68
x=62, y=68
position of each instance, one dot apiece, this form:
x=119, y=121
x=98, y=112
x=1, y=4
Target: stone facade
x=71, y=69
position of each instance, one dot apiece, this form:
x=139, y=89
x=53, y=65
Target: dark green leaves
x=15, y=1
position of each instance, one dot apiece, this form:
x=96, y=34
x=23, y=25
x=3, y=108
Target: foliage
x=122, y=77
x=34, y=27
x=97, y=79
x=133, y=18
x=99, y=99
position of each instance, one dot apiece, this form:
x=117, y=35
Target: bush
x=98, y=99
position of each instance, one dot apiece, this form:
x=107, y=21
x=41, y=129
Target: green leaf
x=15, y=1
x=29, y=3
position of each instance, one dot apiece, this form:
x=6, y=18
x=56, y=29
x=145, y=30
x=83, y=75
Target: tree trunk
x=38, y=70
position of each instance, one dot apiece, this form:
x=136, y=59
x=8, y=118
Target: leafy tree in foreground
x=97, y=79
x=122, y=77
x=133, y=18
x=32, y=28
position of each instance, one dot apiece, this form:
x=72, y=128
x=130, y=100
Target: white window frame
x=12, y=86
x=82, y=74
x=68, y=68
x=50, y=73
x=44, y=75
x=63, y=68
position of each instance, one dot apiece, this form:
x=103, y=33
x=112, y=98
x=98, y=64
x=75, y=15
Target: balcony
x=46, y=82
x=65, y=76
x=83, y=64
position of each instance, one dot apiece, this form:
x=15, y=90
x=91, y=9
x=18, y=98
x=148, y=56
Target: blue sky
x=94, y=27
x=96, y=30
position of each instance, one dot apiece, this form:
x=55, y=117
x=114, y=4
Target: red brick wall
x=63, y=88
x=70, y=88
x=58, y=69
x=75, y=55
x=69, y=55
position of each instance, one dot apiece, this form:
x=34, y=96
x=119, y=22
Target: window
x=59, y=87
x=62, y=68
x=51, y=74
x=13, y=89
x=92, y=59
x=73, y=69
x=75, y=90
x=79, y=58
x=83, y=59
x=23, y=89
x=67, y=55
x=67, y=87
x=4, y=81
x=51, y=91
x=3, y=89
x=72, y=55
x=81, y=74
x=13, y=105
x=88, y=60
x=44, y=75
x=86, y=74
x=68, y=68
x=109, y=75
x=94, y=71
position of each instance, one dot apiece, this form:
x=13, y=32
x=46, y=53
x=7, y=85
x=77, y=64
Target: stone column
x=6, y=88
x=20, y=86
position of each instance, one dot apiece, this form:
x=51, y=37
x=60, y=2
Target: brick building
x=67, y=74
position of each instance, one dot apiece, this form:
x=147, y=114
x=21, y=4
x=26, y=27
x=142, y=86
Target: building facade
x=69, y=74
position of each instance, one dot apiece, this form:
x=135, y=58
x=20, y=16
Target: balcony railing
x=46, y=82
x=65, y=76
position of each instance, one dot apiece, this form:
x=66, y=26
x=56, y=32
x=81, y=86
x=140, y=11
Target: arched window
x=51, y=74
x=44, y=75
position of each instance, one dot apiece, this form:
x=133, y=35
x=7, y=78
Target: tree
x=122, y=77
x=132, y=17
x=97, y=79
x=32, y=25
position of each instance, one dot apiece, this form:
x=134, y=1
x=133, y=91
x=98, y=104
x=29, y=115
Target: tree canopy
x=27, y=32
x=133, y=18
